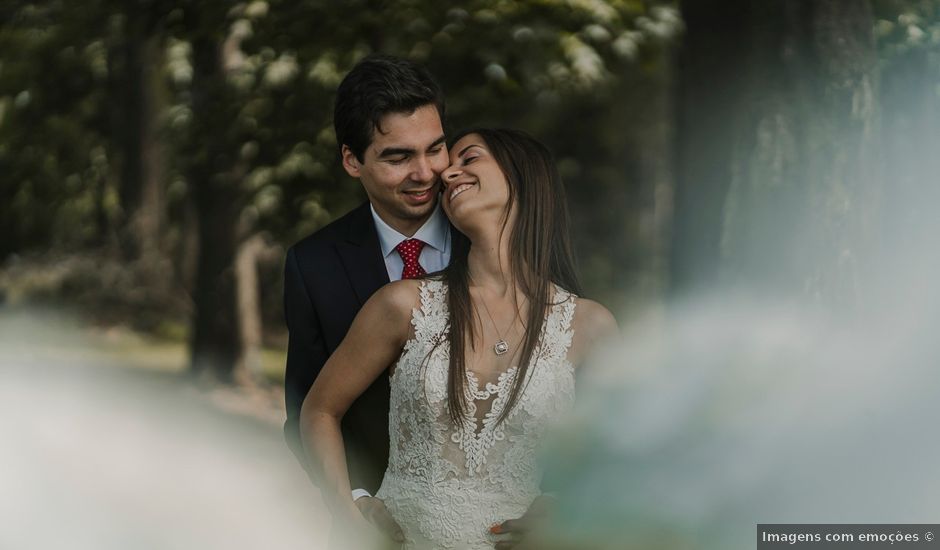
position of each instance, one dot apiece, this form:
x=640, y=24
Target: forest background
x=753, y=187
x=159, y=157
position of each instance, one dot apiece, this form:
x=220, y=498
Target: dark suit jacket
x=328, y=277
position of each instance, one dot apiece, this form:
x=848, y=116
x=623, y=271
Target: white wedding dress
x=447, y=484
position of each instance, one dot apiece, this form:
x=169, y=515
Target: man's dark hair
x=376, y=86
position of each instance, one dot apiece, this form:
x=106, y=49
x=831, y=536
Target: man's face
x=400, y=169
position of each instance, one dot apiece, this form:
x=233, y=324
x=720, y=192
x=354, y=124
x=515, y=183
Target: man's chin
x=419, y=212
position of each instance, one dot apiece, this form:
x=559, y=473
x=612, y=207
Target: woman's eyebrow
x=464, y=150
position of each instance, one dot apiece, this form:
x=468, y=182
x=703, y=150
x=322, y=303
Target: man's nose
x=422, y=169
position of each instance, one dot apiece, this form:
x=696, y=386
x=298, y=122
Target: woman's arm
x=373, y=343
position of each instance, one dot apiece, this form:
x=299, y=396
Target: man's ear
x=350, y=163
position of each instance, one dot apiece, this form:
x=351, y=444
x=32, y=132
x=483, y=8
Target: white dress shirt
x=434, y=256
x=435, y=233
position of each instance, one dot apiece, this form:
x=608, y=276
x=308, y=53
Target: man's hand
x=520, y=528
x=374, y=510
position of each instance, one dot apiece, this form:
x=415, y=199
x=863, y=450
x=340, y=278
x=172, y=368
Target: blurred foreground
x=733, y=408
x=717, y=413
x=104, y=455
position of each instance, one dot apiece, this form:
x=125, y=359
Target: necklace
x=501, y=346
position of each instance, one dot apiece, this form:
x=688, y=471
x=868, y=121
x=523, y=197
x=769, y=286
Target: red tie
x=410, y=251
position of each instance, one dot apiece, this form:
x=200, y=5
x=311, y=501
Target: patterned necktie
x=410, y=251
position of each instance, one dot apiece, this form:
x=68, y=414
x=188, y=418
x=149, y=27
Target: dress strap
x=431, y=321
x=557, y=335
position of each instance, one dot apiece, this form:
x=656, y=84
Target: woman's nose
x=450, y=174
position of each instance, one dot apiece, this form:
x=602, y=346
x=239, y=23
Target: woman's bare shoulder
x=397, y=298
x=388, y=311
x=594, y=319
x=592, y=324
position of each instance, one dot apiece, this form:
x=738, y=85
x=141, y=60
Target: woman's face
x=475, y=191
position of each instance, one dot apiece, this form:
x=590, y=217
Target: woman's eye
x=468, y=160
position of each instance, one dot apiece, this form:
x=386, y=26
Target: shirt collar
x=434, y=232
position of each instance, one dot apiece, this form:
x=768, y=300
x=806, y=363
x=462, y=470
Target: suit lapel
x=362, y=256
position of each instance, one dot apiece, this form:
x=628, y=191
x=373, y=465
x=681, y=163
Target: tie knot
x=411, y=247
x=410, y=251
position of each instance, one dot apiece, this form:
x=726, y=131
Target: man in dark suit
x=388, y=121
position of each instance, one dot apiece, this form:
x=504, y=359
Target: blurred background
x=752, y=185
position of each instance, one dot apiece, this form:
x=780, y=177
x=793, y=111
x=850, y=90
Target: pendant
x=501, y=347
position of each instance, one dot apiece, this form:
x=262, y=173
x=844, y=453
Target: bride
x=482, y=355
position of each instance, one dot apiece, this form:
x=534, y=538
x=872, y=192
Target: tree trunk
x=644, y=209
x=187, y=252
x=102, y=221
x=249, y=305
x=214, y=179
x=151, y=214
x=710, y=84
x=782, y=197
x=214, y=339
x=141, y=155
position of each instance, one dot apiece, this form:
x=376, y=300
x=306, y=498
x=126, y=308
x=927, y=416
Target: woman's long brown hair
x=540, y=248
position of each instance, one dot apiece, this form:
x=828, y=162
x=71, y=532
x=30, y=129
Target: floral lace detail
x=446, y=484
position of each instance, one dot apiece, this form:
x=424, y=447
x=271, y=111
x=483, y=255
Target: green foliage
x=53, y=114
x=567, y=71
x=906, y=25
x=506, y=63
x=258, y=130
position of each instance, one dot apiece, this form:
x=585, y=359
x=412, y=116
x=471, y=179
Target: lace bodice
x=447, y=484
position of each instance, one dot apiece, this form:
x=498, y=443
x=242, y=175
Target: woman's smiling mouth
x=460, y=189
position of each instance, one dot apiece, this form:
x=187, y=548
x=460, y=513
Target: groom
x=388, y=121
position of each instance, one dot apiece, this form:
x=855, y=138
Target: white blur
x=715, y=414
x=101, y=457
x=748, y=413
x=730, y=409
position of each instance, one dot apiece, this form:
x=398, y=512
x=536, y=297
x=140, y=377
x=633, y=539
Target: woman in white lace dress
x=482, y=355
